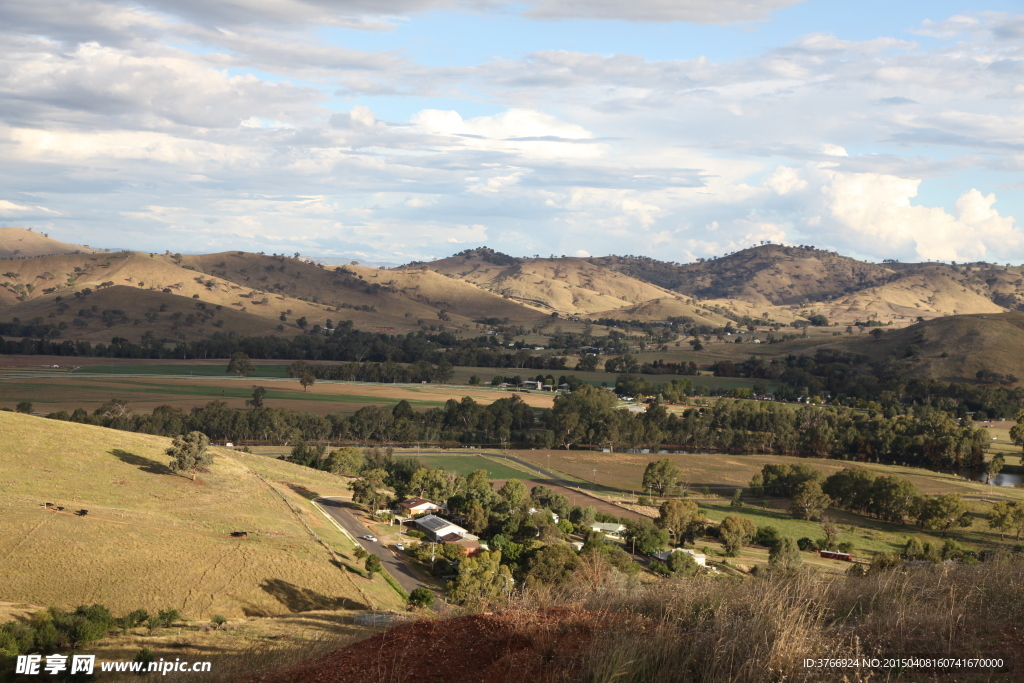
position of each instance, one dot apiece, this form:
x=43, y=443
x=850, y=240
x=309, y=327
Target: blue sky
x=412, y=129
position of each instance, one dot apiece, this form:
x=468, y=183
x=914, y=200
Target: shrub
x=767, y=536
x=415, y=533
x=807, y=544
x=421, y=597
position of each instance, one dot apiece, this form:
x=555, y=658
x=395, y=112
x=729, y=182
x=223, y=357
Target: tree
x=735, y=532
x=646, y=537
x=421, y=598
x=307, y=380
x=1006, y=516
x=1017, y=431
x=241, y=365
x=785, y=554
x=681, y=563
x=373, y=565
x=552, y=565
x=482, y=578
x=661, y=475
x=348, y=460
x=682, y=519
x=257, y=397
x=809, y=500
x=995, y=466
x=24, y=407
x=366, y=489
x=831, y=531
x=189, y=453
x=514, y=491
x=737, y=499
x=946, y=512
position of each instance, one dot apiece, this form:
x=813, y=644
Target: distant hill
x=474, y=290
x=21, y=243
x=952, y=347
x=193, y=296
x=566, y=285
x=768, y=274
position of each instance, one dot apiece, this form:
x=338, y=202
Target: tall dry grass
x=762, y=629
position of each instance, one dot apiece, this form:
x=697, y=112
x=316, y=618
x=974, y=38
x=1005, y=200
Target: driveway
x=337, y=509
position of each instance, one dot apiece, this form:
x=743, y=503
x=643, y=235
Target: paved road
x=393, y=563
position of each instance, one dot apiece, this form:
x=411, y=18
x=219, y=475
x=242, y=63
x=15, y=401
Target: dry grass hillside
x=18, y=243
x=769, y=274
x=930, y=291
x=972, y=343
x=153, y=539
x=567, y=285
x=187, y=297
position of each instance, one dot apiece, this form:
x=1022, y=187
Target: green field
x=465, y=464
x=195, y=370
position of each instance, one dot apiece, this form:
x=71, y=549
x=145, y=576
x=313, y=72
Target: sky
x=397, y=130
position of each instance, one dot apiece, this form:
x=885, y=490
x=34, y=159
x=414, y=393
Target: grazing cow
x=239, y=534
x=82, y=513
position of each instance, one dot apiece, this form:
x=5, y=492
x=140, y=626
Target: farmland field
x=465, y=464
x=723, y=473
x=67, y=392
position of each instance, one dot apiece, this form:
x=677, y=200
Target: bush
x=415, y=533
x=218, y=620
x=373, y=565
x=845, y=547
x=421, y=597
x=807, y=544
x=767, y=536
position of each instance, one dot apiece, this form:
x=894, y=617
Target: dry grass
x=153, y=539
x=762, y=629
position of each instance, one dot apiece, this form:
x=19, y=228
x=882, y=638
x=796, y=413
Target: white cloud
x=874, y=214
x=695, y=11
x=530, y=133
x=13, y=210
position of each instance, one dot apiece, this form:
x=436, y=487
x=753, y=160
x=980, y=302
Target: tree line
x=586, y=417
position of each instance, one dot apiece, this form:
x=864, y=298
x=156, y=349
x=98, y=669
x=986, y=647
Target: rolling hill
x=952, y=347
x=97, y=296
x=156, y=540
x=21, y=243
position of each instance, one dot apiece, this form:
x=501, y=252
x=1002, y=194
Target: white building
x=700, y=558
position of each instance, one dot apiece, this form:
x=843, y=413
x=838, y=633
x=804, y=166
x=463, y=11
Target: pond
x=1000, y=480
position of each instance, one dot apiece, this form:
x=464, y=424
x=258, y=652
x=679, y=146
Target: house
x=442, y=531
x=417, y=506
x=554, y=517
x=700, y=558
x=530, y=384
x=612, y=529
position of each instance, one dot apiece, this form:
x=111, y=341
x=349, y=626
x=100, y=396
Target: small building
x=554, y=516
x=700, y=558
x=831, y=555
x=612, y=529
x=530, y=384
x=417, y=506
x=442, y=531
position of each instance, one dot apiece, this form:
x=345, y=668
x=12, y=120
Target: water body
x=1000, y=480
